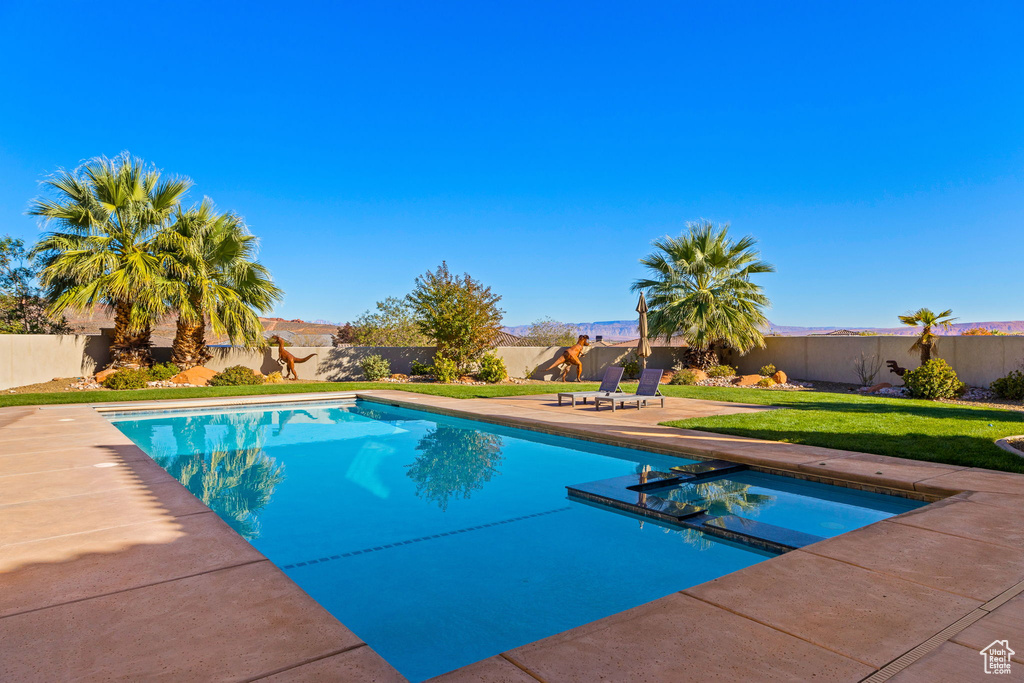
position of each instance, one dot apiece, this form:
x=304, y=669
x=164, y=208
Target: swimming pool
x=442, y=541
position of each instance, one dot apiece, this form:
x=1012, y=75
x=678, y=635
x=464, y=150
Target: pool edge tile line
x=396, y=544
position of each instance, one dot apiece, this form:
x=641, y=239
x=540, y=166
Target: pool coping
x=557, y=658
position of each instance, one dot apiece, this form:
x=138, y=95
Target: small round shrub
x=685, y=377
x=767, y=370
x=935, y=379
x=237, y=376
x=1010, y=387
x=127, y=378
x=492, y=369
x=766, y=382
x=445, y=370
x=375, y=368
x=419, y=368
x=163, y=371
x=629, y=363
x=275, y=378
x=721, y=371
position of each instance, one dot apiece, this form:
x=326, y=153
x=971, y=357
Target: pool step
x=632, y=493
x=708, y=468
x=759, y=533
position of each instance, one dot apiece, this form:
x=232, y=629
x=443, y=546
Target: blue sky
x=876, y=150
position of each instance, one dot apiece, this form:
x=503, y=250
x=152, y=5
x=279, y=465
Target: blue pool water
x=442, y=541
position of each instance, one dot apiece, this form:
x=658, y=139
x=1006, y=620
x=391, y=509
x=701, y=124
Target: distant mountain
x=611, y=330
x=308, y=333
x=622, y=330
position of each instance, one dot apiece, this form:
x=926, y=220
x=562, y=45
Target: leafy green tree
x=927, y=341
x=393, y=324
x=458, y=312
x=700, y=288
x=22, y=308
x=454, y=462
x=108, y=213
x=212, y=273
x=550, y=332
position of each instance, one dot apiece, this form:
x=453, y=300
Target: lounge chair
x=649, y=390
x=609, y=386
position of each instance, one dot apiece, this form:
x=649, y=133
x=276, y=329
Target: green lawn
x=920, y=430
x=452, y=390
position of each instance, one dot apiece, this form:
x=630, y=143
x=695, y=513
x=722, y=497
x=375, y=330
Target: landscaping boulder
x=780, y=377
x=399, y=377
x=103, y=374
x=747, y=380
x=197, y=376
x=698, y=374
x=666, y=377
x=879, y=387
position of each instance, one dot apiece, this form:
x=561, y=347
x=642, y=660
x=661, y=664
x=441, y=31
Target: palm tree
x=108, y=213
x=212, y=274
x=927, y=342
x=700, y=288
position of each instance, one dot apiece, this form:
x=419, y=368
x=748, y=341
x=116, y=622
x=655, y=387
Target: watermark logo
x=997, y=657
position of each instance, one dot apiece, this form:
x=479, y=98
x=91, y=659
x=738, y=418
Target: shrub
x=935, y=379
x=766, y=382
x=237, y=376
x=686, y=377
x=419, y=368
x=375, y=368
x=127, y=379
x=1011, y=386
x=275, y=378
x=163, y=371
x=767, y=370
x=630, y=364
x=492, y=369
x=445, y=369
x=721, y=371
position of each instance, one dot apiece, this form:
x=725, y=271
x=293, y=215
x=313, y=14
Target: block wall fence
x=28, y=359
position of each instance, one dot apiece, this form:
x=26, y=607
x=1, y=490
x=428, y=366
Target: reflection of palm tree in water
x=454, y=462
x=717, y=496
x=287, y=416
x=234, y=478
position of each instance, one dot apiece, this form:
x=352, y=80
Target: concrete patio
x=111, y=570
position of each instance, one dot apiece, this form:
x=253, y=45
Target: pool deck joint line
x=170, y=590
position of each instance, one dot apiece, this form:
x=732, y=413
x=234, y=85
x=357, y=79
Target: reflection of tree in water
x=454, y=462
x=725, y=497
x=233, y=477
x=718, y=497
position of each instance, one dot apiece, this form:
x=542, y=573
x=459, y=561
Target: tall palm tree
x=927, y=342
x=699, y=287
x=108, y=213
x=212, y=274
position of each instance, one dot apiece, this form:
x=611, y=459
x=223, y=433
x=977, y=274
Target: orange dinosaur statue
x=287, y=359
x=571, y=358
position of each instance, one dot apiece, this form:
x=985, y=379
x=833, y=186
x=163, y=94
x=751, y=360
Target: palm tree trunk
x=189, y=347
x=129, y=346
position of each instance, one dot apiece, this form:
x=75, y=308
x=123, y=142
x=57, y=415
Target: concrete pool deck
x=111, y=570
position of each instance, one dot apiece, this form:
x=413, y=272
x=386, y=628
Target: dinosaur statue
x=571, y=358
x=286, y=358
x=894, y=368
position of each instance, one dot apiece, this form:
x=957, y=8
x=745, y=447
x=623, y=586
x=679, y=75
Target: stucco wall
x=32, y=358
x=977, y=360
x=330, y=364
x=27, y=359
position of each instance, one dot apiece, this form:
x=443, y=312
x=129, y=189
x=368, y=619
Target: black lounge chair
x=649, y=390
x=609, y=386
